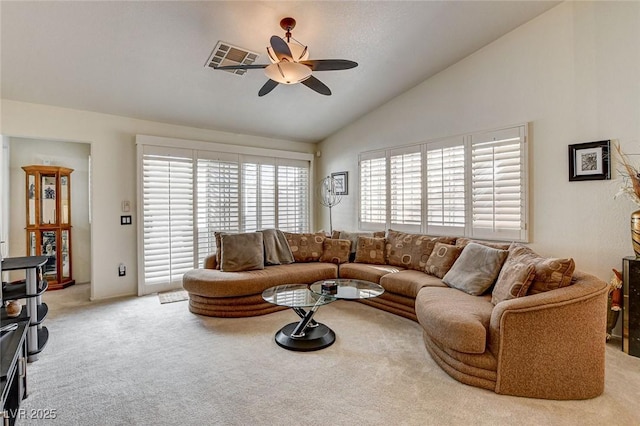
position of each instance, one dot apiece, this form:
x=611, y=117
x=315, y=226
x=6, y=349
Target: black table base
x=314, y=338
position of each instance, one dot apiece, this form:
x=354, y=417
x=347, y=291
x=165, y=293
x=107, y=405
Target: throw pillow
x=241, y=252
x=476, y=269
x=461, y=242
x=441, y=259
x=514, y=280
x=551, y=273
x=399, y=247
x=306, y=247
x=336, y=251
x=370, y=250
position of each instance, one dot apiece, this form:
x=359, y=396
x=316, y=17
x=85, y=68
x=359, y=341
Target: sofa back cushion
x=335, y=251
x=412, y=251
x=476, y=269
x=370, y=250
x=551, y=273
x=306, y=247
x=241, y=252
x=441, y=259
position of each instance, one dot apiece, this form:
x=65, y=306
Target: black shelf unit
x=30, y=289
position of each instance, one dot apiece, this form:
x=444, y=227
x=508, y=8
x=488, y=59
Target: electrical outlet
x=122, y=270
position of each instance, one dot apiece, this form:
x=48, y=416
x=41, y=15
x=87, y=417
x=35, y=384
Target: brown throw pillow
x=241, y=252
x=476, y=269
x=412, y=250
x=306, y=247
x=336, y=251
x=370, y=250
x=514, y=280
x=550, y=273
x=442, y=258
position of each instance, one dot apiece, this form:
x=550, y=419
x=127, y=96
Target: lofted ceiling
x=145, y=59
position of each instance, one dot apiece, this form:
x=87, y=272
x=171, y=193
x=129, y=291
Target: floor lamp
x=328, y=197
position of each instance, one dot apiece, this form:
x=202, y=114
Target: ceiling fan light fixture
x=298, y=53
x=288, y=72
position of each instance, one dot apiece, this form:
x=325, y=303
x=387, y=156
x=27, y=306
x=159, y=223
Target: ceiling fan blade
x=268, y=86
x=315, y=84
x=329, y=64
x=241, y=67
x=281, y=49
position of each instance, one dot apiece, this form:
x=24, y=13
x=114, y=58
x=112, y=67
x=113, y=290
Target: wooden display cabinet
x=48, y=218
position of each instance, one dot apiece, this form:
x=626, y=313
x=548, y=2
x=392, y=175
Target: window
x=445, y=187
x=474, y=185
x=373, y=190
x=167, y=212
x=405, y=171
x=497, y=184
x=187, y=194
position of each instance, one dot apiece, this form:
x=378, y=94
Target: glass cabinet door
x=64, y=199
x=48, y=199
x=48, y=248
x=31, y=197
x=65, y=259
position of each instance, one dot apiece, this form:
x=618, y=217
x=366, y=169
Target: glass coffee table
x=307, y=334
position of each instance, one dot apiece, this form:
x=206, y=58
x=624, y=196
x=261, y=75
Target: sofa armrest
x=552, y=345
x=210, y=262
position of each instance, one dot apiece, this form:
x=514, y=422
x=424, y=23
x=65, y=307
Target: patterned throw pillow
x=441, y=259
x=412, y=250
x=306, y=247
x=218, y=235
x=514, y=280
x=336, y=251
x=370, y=250
x=550, y=273
x=476, y=269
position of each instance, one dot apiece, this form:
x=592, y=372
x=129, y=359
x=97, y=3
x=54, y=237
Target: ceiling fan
x=290, y=63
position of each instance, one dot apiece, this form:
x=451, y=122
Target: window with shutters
x=445, y=177
x=497, y=184
x=188, y=194
x=472, y=185
x=405, y=195
x=167, y=214
x=373, y=190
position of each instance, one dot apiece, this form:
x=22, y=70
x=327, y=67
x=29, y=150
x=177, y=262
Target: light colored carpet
x=133, y=361
x=173, y=296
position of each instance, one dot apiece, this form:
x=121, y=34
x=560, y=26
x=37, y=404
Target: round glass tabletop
x=341, y=288
x=295, y=296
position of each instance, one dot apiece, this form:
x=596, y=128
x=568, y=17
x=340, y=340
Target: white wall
x=112, y=140
x=25, y=152
x=573, y=73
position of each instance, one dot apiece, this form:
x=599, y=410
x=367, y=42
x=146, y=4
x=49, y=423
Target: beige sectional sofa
x=549, y=344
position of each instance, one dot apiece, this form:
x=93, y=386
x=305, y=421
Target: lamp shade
x=298, y=53
x=287, y=72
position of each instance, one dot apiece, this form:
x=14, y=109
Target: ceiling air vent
x=226, y=54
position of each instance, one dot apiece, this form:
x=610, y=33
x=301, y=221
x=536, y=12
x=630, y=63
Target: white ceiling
x=146, y=59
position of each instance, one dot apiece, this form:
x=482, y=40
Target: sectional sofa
x=494, y=315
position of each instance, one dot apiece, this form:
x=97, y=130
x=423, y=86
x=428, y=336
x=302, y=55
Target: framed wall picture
x=590, y=161
x=341, y=180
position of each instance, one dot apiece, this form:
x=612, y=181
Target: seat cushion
x=366, y=271
x=409, y=282
x=455, y=319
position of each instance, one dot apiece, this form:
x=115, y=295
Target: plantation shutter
x=167, y=195
x=497, y=184
x=218, y=206
x=293, y=195
x=445, y=175
x=405, y=169
x=373, y=190
x=258, y=193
